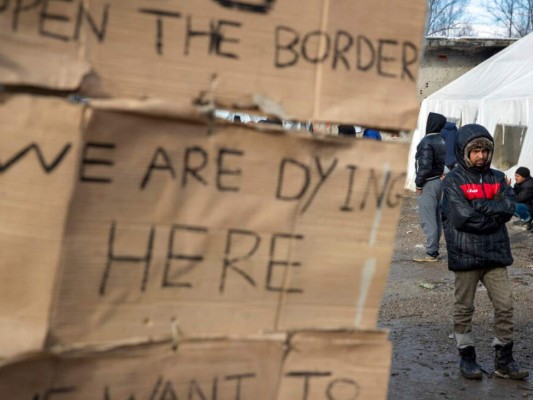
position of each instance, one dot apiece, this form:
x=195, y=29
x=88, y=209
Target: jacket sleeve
x=502, y=207
x=424, y=163
x=461, y=214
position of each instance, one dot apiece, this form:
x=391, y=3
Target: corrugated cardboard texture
x=224, y=232
x=346, y=61
x=334, y=366
x=38, y=158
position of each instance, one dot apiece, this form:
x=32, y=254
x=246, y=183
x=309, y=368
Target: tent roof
x=500, y=70
x=521, y=87
x=499, y=90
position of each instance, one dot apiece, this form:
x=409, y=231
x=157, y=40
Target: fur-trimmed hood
x=469, y=137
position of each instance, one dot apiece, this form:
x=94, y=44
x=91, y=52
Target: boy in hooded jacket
x=477, y=202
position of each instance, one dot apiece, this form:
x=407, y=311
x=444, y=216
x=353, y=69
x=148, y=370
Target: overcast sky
x=478, y=12
x=482, y=20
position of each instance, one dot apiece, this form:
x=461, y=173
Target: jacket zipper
x=482, y=186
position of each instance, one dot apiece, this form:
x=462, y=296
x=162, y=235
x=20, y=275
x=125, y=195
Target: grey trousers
x=429, y=213
x=496, y=281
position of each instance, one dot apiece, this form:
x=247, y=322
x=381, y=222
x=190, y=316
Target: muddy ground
x=417, y=309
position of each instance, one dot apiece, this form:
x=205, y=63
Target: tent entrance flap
x=508, y=141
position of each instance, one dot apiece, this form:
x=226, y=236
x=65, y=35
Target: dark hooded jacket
x=448, y=133
x=431, y=151
x=475, y=207
x=524, y=193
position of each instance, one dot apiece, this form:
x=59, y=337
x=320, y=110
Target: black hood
x=465, y=136
x=435, y=123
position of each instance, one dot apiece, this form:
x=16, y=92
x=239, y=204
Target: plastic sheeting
x=497, y=91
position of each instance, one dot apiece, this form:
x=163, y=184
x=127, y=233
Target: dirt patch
x=417, y=309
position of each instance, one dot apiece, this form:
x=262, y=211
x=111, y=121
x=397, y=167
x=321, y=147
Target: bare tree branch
x=516, y=16
x=445, y=17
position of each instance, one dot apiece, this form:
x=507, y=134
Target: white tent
x=497, y=94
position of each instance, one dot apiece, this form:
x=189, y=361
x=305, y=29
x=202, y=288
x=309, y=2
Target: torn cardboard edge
x=202, y=111
x=175, y=341
x=312, y=365
x=186, y=110
x=348, y=336
x=183, y=111
x=199, y=108
x=157, y=108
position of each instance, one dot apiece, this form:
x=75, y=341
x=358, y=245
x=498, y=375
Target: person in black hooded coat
x=429, y=158
x=477, y=202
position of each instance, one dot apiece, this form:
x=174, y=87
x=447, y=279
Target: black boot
x=504, y=364
x=469, y=367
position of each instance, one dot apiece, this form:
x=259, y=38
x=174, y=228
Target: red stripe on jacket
x=474, y=191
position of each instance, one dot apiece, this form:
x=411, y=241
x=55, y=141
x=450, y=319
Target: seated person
x=523, y=189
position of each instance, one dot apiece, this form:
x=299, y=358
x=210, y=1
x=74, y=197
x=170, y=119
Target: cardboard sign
x=328, y=366
x=214, y=370
x=38, y=159
x=145, y=226
x=336, y=366
x=223, y=231
x=344, y=61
